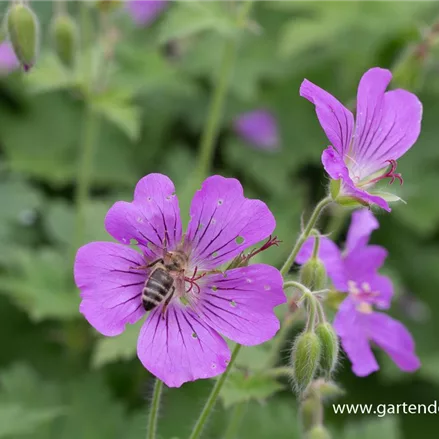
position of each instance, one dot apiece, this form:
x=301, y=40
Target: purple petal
x=8, y=60
x=336, y=120
x=144, y=12
x=180, y=347
x=393, y=337
x=363, y=262
x=224, y=223
x=331, y=257
x=383, y=288
x=240, y=305
x=152, y=219
x=387, y=124
x=363, y=223
x=352, y=328
x=259, y=128
x=110, y=287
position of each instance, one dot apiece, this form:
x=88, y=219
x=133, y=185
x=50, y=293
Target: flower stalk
x=154, y=410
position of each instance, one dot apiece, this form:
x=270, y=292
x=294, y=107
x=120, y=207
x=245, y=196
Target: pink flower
x=356, y=273
x=144, y=12
x=8, y=59
x=180, y=340
x=387, y=125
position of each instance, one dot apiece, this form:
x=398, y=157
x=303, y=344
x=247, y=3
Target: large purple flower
x=387, y=125
x=144, y=12
x=356, y=273
x=8, y=60
x=180, y=341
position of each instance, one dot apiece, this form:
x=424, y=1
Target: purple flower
x=180, y=340
x=387, y=125
x=8, y=59
x=356, y=273
x=258, y=128
x=144, y=12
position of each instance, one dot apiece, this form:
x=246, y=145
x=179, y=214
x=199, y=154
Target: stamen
x=270, y=242
x=389, y=174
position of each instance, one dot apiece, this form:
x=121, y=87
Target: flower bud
x=310, y=411
x=318, y=432
x=305, y=359
x=327, y=389
x=23, y=32
x=313, y=274
x=330, y=347
x=65, y=38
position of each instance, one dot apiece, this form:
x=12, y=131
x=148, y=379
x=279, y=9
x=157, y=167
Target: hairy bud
x=65, y=38
x=327, y=389
x=22, y=25
x=330, y=346
x=305, y=359
x=310, y=411
x=318, y=432
x=313, y=274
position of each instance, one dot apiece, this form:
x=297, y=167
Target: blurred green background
x=58, y=378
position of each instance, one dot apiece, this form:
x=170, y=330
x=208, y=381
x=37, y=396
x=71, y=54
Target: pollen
x=365, y=308
x=353, y=288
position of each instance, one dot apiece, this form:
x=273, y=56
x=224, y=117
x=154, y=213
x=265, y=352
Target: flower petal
x=224, y=223
x=8, y=60
x=152, y=219
x=394, y=338
x=336, y=120
x=363, y=223
x=387, y=124
x=363, y=262
x=331, y=257
x=110, y=289
x=144, y=12
x=352, y=327
x=259, y=128
x=240, y=305
x=180, y=347
x=382, y=285
x=334, y=165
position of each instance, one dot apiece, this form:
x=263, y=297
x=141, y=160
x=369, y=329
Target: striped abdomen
x=158, y=287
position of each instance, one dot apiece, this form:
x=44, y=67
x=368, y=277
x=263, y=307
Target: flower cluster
x=355, y=272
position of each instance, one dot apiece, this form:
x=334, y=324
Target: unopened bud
x=23, y=32
x=305, y=359
x=318, y=432
x=313, y=274
x=330, y=346
x=65, y=38
x=310, y=412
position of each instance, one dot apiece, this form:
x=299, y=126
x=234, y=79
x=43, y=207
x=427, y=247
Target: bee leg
x=143, y=267
x=165, y=305
x=154, y=263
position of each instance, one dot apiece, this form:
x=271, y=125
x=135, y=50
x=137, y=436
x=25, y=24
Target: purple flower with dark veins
x=355, y=272
x=259, y=128
x=387, y=125
x=8, y=60
x=177, y=277
x=144, y=12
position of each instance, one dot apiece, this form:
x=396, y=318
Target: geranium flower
x=259, y=128
x=355, y=272
x=8, y=60
x=180, y=341
x=387, y=125
x=144, y=12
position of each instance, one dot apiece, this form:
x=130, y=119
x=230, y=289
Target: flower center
x=363, y=295
x=387, y=173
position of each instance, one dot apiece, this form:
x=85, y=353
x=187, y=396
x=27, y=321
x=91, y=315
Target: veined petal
x=363, y=262
x=363, y=223
x=383, y=287
x=331, y=257
x=240, y=304
x=180, y=347
x=336, y=120
x=352, y=326
x=110, y=288
x=152, y=219
x=349, y=189
x=394, y=338
x=224, y=223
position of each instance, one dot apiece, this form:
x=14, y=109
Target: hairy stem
x=154, y=410
x=211, y=401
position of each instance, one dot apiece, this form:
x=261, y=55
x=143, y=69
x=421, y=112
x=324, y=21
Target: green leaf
x=239, y=388
x=189, y=18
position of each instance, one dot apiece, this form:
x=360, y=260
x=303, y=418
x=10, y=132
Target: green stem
x=214, y=114
x=305, y=234
x=211, y=401
x=235, y=420
x=154, y=411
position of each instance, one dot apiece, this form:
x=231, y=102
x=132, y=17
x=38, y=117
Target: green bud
x=318, y=432
x=22, y=25
x=65, y=38
x=310, y=411
x=330, y=347
x=313, y=274
x=305, y=359
x=328, y=389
